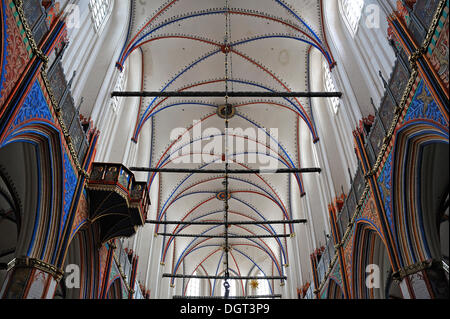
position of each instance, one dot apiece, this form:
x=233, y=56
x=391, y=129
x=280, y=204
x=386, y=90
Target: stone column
x=30, y=278
x=423, y=280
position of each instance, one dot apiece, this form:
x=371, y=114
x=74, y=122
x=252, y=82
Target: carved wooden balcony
x=117, y=202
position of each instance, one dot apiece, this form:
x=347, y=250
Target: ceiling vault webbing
x=200, y=76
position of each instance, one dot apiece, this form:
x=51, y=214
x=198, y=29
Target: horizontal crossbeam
x=230, y=171
x=223, y=236
x=223, y=94
x=223, y=277
x=263, y=222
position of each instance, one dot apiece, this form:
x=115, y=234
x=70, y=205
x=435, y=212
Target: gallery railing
x=420, y=18
x=38, y=16
x=386, y=112
x=326, y=258
x=70, y=115
x=310, y=292
x=374, y=139
x=124, y=264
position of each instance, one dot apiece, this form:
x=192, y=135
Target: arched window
x=115, y=101
x=259, y=288
x=263, y=287
x=330, y=87
x=101, y=10
x=193, y=287
x=352, y=12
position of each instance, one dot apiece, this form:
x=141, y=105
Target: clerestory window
x=330, y=86
x=352, y=13
x=193, y=287
x=100, y=10
x=115, y=101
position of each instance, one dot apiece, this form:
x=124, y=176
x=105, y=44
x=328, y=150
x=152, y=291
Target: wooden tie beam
x=223, y=94
x=221, y=171
x=263, y=222
x=224, y=236
x=223, y=277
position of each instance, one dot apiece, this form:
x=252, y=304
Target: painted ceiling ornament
x=257, y=74
x=226, y=48
x=221, y=196
x=226, y=111
x=254, y=284
x=34, y=107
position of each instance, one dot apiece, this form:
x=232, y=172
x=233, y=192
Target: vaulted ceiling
x=183, y=49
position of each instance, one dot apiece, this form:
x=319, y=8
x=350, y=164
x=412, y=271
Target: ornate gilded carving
x=412, y=269
x=26, y=262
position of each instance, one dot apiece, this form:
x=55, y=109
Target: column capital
x=412, y=269
x=30, y=278
x=27, y=262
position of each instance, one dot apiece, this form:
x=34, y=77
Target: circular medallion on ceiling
x=226, y=111
x=221, y=195
x=226, y=48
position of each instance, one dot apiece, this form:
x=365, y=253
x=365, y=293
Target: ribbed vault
x=184, y=48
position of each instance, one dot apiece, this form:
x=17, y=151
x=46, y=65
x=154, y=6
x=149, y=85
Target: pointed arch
x=410, y=221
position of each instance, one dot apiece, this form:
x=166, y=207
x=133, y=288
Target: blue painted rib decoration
x=125, y=55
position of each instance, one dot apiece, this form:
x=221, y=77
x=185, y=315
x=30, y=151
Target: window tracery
x=100, y=10
x=330, y=86
x=352, y=13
